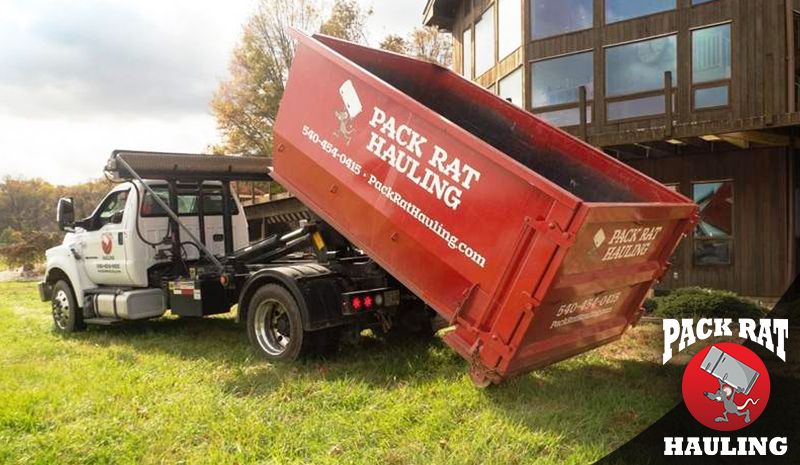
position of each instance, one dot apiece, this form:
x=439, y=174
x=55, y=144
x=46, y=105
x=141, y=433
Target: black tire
x=275, y=325
x=67, y=316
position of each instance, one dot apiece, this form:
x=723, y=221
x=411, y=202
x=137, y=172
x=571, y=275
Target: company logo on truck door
x=626, y=242
x=433, y=169
x=106, y=243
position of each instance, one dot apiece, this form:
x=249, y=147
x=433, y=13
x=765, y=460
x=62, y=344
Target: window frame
x=499, y=53
x=563, y=106
x=530, y=28
x=477, y=19
x=98, y=217
x=234, y=205
x=606, y=22
x=727, y=82
x=640, y=94
x=468, y=73
x=731, y=239
x=521, y=70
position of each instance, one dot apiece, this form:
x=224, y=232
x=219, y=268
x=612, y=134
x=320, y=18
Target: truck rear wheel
x=275, y=324
x=66, y=314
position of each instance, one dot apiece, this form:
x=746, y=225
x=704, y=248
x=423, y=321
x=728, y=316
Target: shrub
x=695, y=302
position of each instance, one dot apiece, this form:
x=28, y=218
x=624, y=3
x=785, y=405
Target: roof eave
x=440, y=13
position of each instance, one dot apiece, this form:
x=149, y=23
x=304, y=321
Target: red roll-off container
x=533, y=244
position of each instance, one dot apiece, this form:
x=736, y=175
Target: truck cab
x=125, y=244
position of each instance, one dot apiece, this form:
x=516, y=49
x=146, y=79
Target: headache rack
x=178, y=168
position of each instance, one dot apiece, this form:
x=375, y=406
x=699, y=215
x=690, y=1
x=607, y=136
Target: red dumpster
x=533, y=244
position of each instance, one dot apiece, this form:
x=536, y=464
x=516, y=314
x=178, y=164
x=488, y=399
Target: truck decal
x=428, y=221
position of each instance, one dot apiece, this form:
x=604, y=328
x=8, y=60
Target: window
x=620, y=10
x=711, y=54
x=711, y=66
x=640, y=66
x=510, y=87
x=112, y=210
x=466, y=55
x=484, y=43
x=636, y=71
x=713, y=235
x=509, y=25
x=636, y=108
x=566, y=117
x=187, y=201
x=556, y=80
x=700, y=2
x=711, y=97
x=554, y=17
x=555, y=83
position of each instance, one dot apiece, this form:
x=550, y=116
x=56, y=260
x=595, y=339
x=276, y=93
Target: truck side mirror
x=65, y=214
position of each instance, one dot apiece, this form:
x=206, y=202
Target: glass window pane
x=715, y=200
x=510, y=87
x=699, y=2
x=566, y=117
x=554, y=17
x=187, y=202
x=713, y=252
x=711, y=97
x=509, y=26
x=640, y=66
x=635, y=108
x=467, y=54
x=619, y=10
x=711, y=54
x=556, y=81
x=484, y=43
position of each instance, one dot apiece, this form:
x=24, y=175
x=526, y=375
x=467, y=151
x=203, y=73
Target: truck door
x=104, y=251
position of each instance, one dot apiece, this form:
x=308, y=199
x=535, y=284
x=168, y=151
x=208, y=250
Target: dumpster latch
x=552, y=231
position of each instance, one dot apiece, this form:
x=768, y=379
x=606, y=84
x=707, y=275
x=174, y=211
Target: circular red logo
x=726, y=386
x=106, y=243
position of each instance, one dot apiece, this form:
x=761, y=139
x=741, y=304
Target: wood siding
x=761, y=261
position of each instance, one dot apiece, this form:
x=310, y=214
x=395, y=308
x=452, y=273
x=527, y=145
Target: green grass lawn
x=172, y=391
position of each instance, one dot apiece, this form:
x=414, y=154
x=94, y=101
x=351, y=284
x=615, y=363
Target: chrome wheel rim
x=273, y=327
x=61, y=309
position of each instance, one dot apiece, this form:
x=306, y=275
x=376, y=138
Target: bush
x=696, y=302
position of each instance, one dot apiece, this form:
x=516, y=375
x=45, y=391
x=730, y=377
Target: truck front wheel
x=275, y=324
x=66, y=314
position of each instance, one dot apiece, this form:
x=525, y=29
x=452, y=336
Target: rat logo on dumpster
x=352, y=108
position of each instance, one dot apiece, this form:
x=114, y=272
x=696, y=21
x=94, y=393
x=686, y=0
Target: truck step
x=102, y=321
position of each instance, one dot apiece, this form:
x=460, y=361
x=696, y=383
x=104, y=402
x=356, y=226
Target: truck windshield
x=188, y=201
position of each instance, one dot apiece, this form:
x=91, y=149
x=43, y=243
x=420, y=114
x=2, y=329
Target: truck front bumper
x=45, y=291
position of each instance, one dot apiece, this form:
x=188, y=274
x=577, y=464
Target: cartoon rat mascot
x=725, y=394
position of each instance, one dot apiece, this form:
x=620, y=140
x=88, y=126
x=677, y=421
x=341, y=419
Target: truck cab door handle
x=120, y=238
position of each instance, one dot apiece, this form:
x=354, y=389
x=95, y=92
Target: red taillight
x=368, y=301
x=356, y=303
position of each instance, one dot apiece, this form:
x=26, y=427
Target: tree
x=246, y=104
x=347, y=21
x=27, y=216
x=394, y=43
x=431, y=44
x=426, y=43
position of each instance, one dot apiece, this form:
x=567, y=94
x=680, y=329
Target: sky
x=80, y=78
